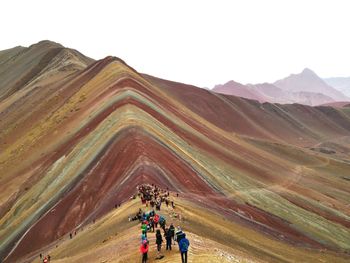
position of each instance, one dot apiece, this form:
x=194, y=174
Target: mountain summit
x=33, y=66
x=307, y=71
x=309, y=81
x=239, y=90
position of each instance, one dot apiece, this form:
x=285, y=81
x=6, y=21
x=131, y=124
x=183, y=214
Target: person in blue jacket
x=184, y=243
x=143, y=236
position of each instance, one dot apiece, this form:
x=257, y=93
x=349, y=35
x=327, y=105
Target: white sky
x=198, y=42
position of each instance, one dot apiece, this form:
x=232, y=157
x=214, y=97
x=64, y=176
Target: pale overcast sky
x=198, y=42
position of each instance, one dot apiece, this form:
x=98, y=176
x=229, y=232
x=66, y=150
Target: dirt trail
x=212, y=239
x=123, y=246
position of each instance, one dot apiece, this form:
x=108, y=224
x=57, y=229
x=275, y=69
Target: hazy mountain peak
x=307, y=71
x=232, y=82
x=305, y=87
x=309, y=81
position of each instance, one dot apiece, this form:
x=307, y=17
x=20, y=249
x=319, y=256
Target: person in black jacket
x=159, y=241
x=172, y=231
x=168, y=237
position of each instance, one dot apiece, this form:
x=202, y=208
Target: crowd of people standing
x=153, y=197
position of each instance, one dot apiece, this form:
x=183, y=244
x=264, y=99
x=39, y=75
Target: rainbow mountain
x=258, y=182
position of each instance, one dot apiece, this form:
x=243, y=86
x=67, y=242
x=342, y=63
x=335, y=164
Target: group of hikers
x=151, y=220
x=153, y=196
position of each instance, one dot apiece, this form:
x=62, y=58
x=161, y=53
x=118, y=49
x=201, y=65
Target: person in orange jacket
x=144, y=251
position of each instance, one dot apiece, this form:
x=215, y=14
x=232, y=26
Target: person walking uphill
x=172, y=231
x=144, y=226
x=144, y=251
x=162, y=222
x=159, y=241
x=143, y=236
x=168, y=237
x=184, y=243
x=156, y=220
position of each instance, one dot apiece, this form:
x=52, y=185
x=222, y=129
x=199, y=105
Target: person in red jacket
x=144, y=251
x=156, y=220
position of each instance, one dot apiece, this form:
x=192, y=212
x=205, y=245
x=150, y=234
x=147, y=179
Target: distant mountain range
x=304, y=88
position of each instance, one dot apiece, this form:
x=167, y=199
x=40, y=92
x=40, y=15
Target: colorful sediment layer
x=77, y=136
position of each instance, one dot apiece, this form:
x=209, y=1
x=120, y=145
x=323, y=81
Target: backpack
x=161, y=219
x=184, y=245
